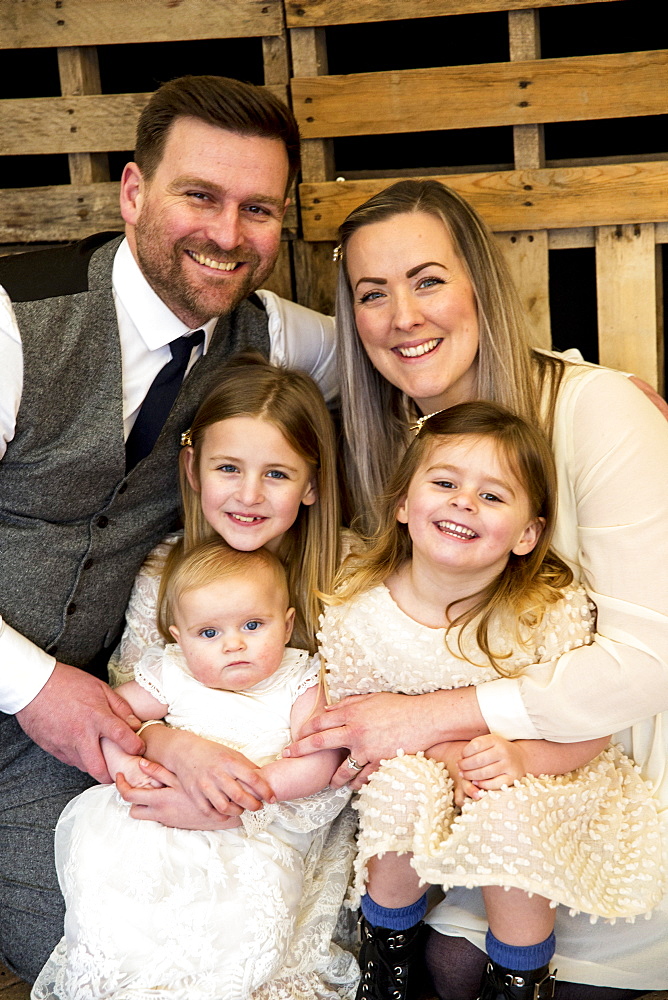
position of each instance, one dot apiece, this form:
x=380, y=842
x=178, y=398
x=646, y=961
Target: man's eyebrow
x=199, y=182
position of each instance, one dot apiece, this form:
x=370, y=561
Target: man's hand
x=214, y=776
x=170, y=805
x=70, y=715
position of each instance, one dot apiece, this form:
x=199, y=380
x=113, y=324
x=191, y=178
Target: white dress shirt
x=298, y=337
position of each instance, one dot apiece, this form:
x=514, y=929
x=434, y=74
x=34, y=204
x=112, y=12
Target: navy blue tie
x=159, y=400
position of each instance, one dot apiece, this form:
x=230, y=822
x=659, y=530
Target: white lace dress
x=588, y=839
x=197, y=915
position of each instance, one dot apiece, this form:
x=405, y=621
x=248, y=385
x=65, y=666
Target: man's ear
x=132, y=193
x=529, y=538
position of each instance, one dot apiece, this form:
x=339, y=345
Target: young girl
x=196, y=914
x=458, y=587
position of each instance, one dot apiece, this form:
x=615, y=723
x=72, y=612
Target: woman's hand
x=373, y=727
x=214, y=776
x=169, y=805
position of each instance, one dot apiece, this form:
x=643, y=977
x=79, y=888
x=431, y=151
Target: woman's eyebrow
x=430, y=263
x=374, y=281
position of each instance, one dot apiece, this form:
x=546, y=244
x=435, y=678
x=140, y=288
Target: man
x=88, y=476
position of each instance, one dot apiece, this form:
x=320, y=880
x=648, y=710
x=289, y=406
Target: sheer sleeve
x=611, y=447
x=141, y=630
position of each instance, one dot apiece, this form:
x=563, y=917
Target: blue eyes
x=252, y=626
x=209, y=633
x=429, y=281
x=271, y=474
x=212, y=633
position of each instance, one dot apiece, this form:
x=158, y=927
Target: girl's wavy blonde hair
x=250, y=386
x=529, y=583
x=375, y=413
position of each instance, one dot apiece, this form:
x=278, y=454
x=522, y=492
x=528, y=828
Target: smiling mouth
x=245, y=518
x=419, y=350
x=217, y=265
x=458, y=530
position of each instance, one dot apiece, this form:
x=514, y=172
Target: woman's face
x=415, y=308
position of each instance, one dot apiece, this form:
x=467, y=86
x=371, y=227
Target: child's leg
x=392, y=911
x=520, y=943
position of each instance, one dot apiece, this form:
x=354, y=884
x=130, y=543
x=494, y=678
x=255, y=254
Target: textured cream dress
x=198, y=915
x=588, y=839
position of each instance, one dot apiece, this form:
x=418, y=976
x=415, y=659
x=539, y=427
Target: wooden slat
x=79, y=72
x=518, y=199
x=630, y=321
x=37, y=23
x=536, y=91
x=320, y=13
x=68, y=212
x=84, y=124
x=527, y=257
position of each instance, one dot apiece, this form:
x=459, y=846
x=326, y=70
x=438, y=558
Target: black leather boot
x=392, y=963
x=507, y=984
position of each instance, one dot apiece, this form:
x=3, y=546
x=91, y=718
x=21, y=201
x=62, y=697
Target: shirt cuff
x=503, y=710
x=24, y=669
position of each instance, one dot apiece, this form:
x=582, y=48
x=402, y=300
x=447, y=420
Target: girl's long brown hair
x=529, y=583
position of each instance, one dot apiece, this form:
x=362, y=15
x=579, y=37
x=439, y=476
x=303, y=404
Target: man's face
x=206, y=228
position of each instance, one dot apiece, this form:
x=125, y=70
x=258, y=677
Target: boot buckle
x=548, y=981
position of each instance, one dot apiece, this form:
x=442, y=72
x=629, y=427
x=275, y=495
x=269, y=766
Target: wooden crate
x=616, y=205
x=88, y=125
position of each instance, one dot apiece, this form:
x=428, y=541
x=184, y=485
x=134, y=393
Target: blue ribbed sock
x=399, y=918
x=520, y=958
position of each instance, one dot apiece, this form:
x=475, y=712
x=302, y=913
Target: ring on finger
x=353, y=764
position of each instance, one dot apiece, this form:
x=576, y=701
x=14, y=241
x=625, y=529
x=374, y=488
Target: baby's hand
x=490, y=762
x=451, y=754
x=135, y=776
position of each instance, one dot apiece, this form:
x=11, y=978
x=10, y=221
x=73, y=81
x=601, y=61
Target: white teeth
x=246, y=520
x=456, y=529
x=218, y=265
x=417, y=352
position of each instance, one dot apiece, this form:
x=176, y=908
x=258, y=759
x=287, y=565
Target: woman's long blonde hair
x=374, y=411
x=290, y=400
x=529, y=583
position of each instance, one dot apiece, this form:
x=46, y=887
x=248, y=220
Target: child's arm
x=145, y=707
x=295, y=777
x=491, y=761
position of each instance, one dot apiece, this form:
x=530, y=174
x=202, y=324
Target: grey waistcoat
x=74, y=528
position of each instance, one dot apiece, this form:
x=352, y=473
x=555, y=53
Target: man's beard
x=165, y=272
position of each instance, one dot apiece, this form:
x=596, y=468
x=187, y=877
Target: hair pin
x=337, y=253
x=186, y=439
x=421, y=421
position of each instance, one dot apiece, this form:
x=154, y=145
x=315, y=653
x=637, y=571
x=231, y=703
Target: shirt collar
x=155, y=322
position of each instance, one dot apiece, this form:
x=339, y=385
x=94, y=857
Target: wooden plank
x=35, y=23
x=320, y=13
x=527, y=257
x=79, y=71
x=535, y=91
x=67, y=212
x=517, y=199
x=83, y=124
x=629, y=301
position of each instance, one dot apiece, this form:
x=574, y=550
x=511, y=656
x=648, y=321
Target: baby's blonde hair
x=210, y=562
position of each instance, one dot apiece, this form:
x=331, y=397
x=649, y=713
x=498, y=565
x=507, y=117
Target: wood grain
x=78, y=124
x=37, y=23
x=629, y=301
x=512, y=200
x=320, y=13
x=527, y=257
x=509, y=93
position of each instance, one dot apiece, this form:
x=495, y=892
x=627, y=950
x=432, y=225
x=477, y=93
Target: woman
x=428, y=318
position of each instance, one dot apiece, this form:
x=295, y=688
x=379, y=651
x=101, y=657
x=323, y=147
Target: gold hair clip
x=186, y=439
x=337, y=253
x=421, y=421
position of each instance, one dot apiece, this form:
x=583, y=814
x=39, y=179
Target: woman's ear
x=190, y=467
x=529, y=538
